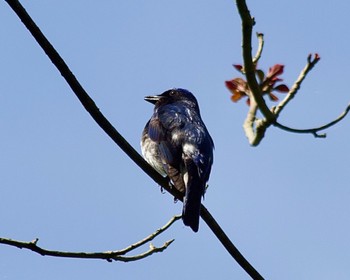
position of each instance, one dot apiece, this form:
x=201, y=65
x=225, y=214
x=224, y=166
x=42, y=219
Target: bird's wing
x=166, y=120
x=165, y=128
x=198, y=148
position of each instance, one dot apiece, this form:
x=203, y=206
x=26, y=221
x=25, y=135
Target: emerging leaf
x=281, y=88
x=275, y=71
x=240, y=88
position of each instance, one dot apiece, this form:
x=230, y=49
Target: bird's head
x=172, y=96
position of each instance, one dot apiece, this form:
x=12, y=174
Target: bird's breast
x=150, y=152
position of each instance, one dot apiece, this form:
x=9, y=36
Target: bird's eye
x=172, y=93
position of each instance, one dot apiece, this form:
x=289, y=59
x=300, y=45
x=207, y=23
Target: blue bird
x=176, y=142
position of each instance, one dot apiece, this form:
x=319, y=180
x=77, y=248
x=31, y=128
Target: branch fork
x=117, y=255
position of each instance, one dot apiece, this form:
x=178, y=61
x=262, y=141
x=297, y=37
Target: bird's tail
x=192, y=206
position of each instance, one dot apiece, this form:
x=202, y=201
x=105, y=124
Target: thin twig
x=150, y=237
x=151, y=251
x=311, y=62
x=257, y=56
x=108, y=255
x=117, y=138
x=315, y=130
x=260, y=48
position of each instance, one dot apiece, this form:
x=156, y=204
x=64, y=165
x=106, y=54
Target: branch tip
x=170, y=241
x=313, y=60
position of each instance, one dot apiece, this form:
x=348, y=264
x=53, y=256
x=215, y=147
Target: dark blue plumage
x=176, y=143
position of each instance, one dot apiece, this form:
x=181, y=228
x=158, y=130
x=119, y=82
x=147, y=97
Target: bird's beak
x=153, y=99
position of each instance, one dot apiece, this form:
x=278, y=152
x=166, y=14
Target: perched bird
x=177, y=144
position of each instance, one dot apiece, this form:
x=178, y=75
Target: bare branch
x=151, y=236
x=257, y=56
x=260, y=48
x=151, y=251
x=93, y=110
x=108, y=255
x=311, y=62
x=230, y=247
x=315, y=130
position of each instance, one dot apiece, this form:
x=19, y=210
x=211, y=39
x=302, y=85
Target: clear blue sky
x=285, y=204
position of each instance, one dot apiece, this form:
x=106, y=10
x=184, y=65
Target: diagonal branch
x=93, y=110
x=85, y=99
x=311, y=62
x=150, y=237
x=229, y=246
x=108, y=255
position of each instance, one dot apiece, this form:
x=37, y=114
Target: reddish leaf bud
x=238, y=67
x=275, y=70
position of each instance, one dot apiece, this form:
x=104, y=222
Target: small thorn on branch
x=35, y=241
